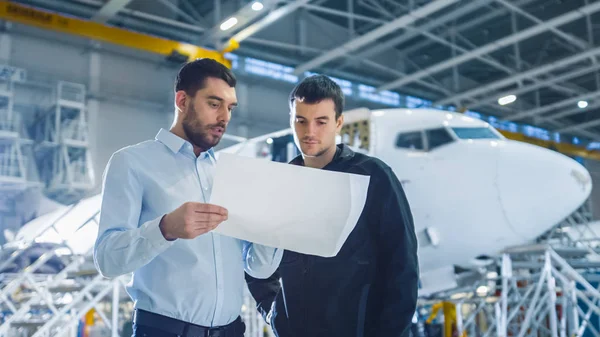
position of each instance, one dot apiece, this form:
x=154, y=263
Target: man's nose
x=310, y=129
x=224, y=114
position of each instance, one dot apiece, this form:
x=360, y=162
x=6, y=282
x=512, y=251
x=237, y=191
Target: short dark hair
x=315, y=88
x=193, y=74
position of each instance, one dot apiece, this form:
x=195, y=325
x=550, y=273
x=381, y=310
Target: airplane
x=472, y=192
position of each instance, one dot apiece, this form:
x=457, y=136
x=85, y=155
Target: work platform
x=53, y=289
x=549, y=288
x=44, y=138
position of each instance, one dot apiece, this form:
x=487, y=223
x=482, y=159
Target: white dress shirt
x=199, y=281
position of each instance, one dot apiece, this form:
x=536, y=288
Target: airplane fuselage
x=473, y=192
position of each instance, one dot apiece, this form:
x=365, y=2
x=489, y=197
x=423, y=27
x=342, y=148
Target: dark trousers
x=144, y=331
x=147, y=324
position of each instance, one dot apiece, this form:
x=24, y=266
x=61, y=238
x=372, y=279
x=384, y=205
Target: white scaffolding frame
x=63, y=153
x=544, y=289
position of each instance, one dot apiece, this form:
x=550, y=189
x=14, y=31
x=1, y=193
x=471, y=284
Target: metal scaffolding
x=539, y=293
x=34, y=303
x=63, y=154
x=13, y=164
x=38, y=300
x=549, y=288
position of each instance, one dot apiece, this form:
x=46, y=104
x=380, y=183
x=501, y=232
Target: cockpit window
x=410, y=140
x=475, y=133
x=438, y=137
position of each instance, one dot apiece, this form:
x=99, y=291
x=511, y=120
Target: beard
x=313, y=152
x=198, y=133
x=316, y=150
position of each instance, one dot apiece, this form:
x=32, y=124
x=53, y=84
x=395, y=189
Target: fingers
x=205, y=222
x=201, y=218
x=210, y=208
x=205, y=228
x=209, y=217
x=197, y=229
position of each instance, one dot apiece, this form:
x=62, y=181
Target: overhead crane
x=11, y=11
x=28, y=15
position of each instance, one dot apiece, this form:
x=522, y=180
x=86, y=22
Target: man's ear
x=339, y=123
x=181, y=100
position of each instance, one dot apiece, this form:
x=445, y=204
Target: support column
x=455, y=75
x=93, y=109
x=351, y=33
x=7, y=208
x=5, y=44
x=302, y=31
x=243, y=113
x=217, y=13
x=115, y=310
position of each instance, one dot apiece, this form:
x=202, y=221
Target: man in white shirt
x=156, y=222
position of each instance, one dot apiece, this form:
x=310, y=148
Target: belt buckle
x=194, y=331
x=215, y=332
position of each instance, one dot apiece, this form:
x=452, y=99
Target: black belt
x=185, y=329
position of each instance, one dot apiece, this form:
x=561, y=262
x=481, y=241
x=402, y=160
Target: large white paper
x=301, y=209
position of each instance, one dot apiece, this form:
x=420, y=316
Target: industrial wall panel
x=121, y=125
x=47, y=58
x=136, y=78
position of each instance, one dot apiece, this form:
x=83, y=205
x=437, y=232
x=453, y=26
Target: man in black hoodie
x=369, y=289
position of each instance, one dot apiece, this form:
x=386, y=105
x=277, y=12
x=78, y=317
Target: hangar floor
x=549, y=288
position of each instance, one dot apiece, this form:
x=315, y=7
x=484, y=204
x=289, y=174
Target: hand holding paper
x=280, y=205
x=191, y=219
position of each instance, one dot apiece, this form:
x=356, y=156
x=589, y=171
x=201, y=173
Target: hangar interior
x=80, y=79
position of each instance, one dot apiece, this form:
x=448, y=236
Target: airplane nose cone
x=538, y=187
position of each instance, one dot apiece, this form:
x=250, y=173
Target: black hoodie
x=369, y=289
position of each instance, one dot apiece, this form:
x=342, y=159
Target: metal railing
x=542, y=296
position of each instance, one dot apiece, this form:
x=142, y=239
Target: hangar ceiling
x=467, y=53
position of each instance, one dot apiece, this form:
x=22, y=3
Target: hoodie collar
x=342, y=152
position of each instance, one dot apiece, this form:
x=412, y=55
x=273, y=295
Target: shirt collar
x=176, y=143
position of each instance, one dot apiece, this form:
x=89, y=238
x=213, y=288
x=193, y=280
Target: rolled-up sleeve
x=261, y=261
x=123, y=245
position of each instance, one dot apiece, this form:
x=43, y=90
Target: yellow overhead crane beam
x=11, y=11
x=564, y=148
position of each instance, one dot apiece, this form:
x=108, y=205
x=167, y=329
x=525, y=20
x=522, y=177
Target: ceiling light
x=582, y=104
x=228, y=23
x=507, y=99
x=257, y=6
x=482, y=290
